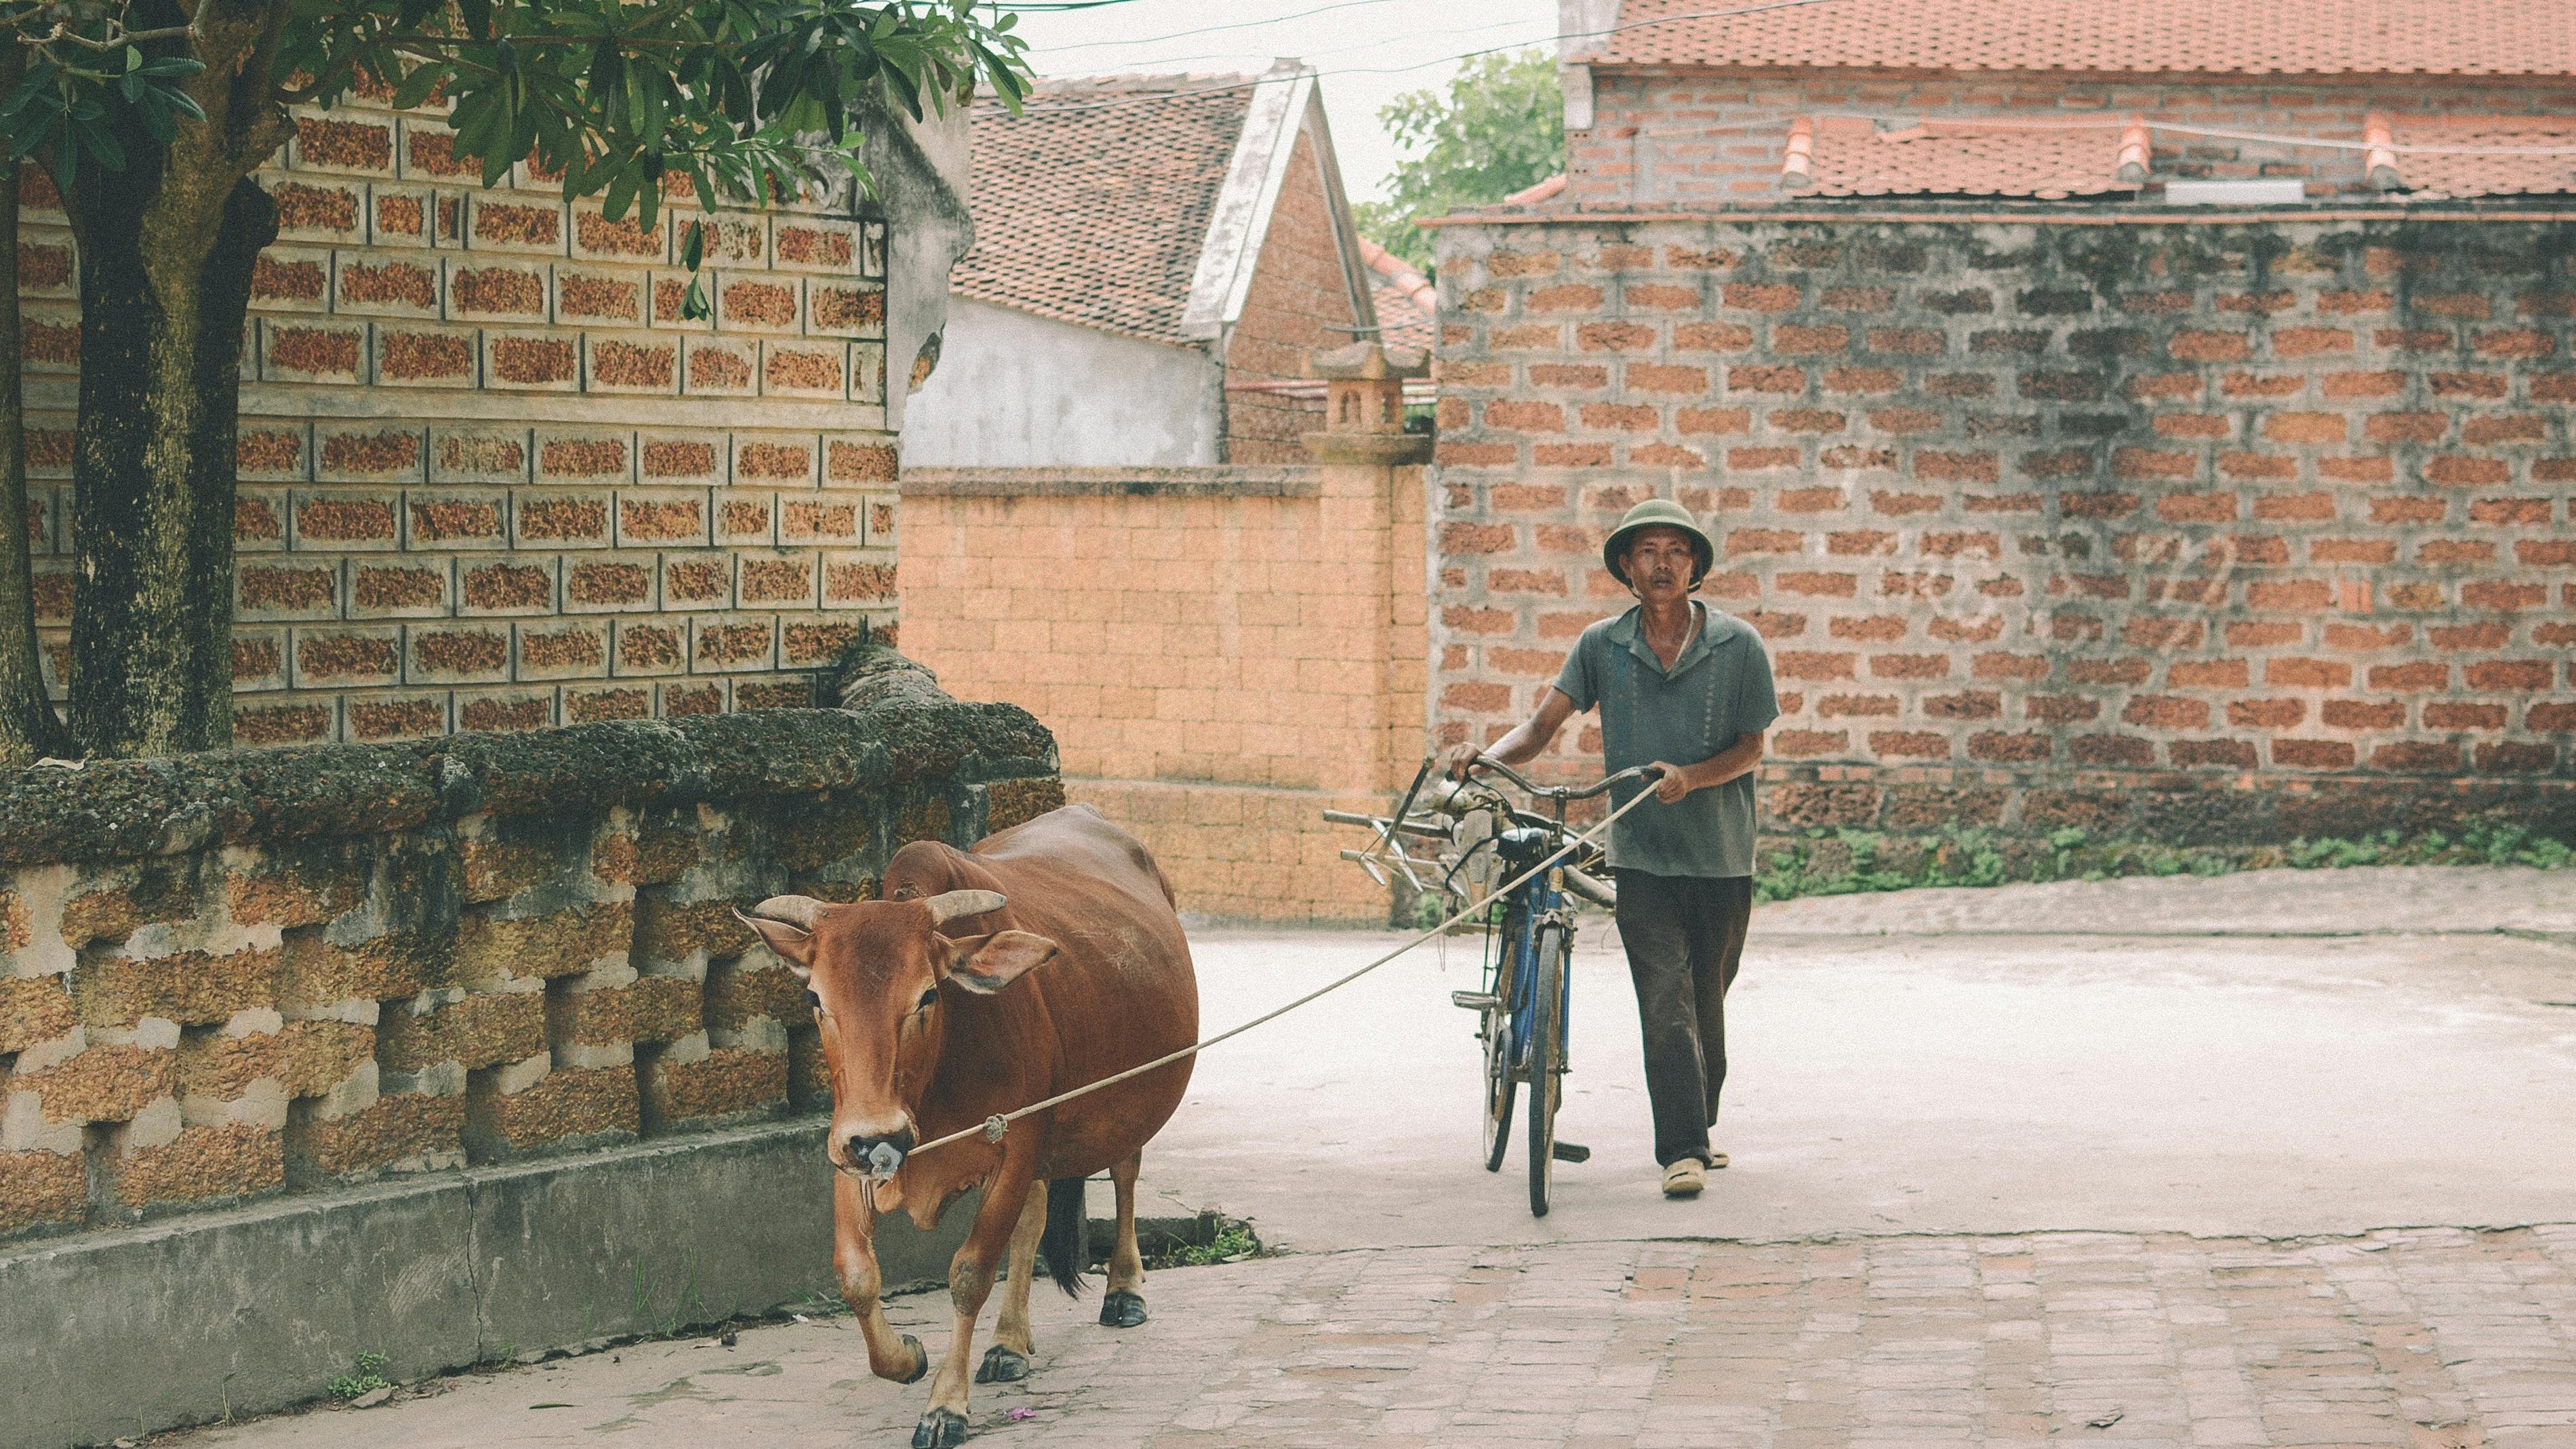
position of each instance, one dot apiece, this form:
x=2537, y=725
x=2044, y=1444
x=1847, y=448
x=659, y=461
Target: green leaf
x=621, y=194
x=156, y=119
x=693, y=244
x=416, y=86
x=693, y=305
x=607, y=73
x=477, y=15
x=102, y=144
x=23, y=143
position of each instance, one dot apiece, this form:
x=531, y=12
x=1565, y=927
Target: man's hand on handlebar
x=1457, y=760
x=1671, y=782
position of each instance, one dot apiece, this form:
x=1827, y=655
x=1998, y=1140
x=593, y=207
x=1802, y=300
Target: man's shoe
x=1716, y=1160
x=1685, y=1178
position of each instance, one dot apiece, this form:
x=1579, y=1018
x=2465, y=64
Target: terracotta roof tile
x=2432, y=176
x=2201, y=37
x=1950, y=158
x=1097, y=216
x=1408, y=309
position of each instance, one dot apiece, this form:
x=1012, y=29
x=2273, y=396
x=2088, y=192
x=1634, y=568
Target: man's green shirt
x=1718, y=689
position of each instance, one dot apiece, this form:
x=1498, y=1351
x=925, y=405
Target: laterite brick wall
x=1719, y=138
x=1222, y=653
x=490, y=480
x=250, y=972
x=2208, y=530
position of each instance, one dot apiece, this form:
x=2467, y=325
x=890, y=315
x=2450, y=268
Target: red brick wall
x=1298, y=287
x=1668, y=138
x=2052, y=518
x=489, y=479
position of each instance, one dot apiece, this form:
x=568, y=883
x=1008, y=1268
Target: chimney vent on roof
x=2381, y=159
x=2135, y=151
x=1798, y=166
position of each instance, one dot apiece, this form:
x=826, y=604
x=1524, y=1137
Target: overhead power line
x=1380, y=43
x=1212, y=29
x=1248, y=82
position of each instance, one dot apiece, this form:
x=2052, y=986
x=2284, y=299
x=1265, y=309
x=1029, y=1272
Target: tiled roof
x=1097, y=214
x=2201, y=37
x=1838, y=156
x=1948, y=158
x=1408, y=309
x=2433, y=176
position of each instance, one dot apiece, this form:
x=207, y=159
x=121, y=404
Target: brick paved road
x=2427, y=1339
x=1945, y=1086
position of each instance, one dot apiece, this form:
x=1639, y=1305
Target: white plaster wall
x=1016, y=391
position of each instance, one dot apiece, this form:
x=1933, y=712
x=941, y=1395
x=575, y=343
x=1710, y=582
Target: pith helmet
x=1657, y=513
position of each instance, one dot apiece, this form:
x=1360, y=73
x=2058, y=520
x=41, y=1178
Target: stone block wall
x=490, y=479
x=251, y=972
x=1222, y=653
x=1699, y=139
x=2226, y=531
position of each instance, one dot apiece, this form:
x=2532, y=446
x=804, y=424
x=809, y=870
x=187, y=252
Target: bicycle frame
x=1529, y=934
x=1526, y=910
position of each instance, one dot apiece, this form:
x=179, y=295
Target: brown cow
x=927, y=1029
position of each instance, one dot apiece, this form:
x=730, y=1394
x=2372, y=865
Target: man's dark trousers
x=1684, y=937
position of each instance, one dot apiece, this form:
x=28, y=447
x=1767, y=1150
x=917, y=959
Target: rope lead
x=994, y=1126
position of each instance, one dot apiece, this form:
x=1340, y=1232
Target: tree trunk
x=28, y=730
x=167, y=251
x=153, y=473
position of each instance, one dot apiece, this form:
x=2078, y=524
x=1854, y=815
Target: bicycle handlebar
x=1564, y=792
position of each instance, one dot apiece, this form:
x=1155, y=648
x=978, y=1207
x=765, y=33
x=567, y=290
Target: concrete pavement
x=2156, y=1162
x=2029, y=1057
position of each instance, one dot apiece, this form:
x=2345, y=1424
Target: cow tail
x=1062, y=1240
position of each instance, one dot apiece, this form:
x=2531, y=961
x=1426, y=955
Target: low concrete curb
x=256, y=1309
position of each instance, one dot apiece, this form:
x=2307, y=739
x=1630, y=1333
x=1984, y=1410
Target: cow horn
x=798, y=911
x=955, y=905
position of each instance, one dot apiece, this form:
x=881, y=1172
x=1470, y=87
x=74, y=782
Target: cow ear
x=794, y=944
x=986, y=964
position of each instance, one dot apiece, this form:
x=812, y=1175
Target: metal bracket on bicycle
x=1453, y=807
x=1388, y=849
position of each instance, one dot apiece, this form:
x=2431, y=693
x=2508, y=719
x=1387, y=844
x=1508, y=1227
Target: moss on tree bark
x=167, y=252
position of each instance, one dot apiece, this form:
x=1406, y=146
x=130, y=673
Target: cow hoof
x=920, y=1360
x=1122, y=1309
x=939, y=1429
x=1002, y=1366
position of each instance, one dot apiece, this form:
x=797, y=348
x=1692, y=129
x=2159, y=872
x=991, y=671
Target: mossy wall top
x=267, y=970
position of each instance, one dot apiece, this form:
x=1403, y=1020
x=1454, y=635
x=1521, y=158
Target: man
x=1687, y=689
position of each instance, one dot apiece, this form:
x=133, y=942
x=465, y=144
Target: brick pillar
x=1373, y=505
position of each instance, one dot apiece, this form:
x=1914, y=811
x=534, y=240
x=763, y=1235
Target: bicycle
x=1521, y=1014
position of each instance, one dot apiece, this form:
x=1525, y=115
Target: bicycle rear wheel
x=1546, y=1061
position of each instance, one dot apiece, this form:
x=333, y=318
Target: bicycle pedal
x=1475, y=1000
x=1569, y=1152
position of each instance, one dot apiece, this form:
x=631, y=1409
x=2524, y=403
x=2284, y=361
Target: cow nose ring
x=879, y=1156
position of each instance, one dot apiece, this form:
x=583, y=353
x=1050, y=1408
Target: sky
x=1404, y=42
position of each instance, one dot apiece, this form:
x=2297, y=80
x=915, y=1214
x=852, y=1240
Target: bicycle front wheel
x=1500, y=1088
x=1546, y=1057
